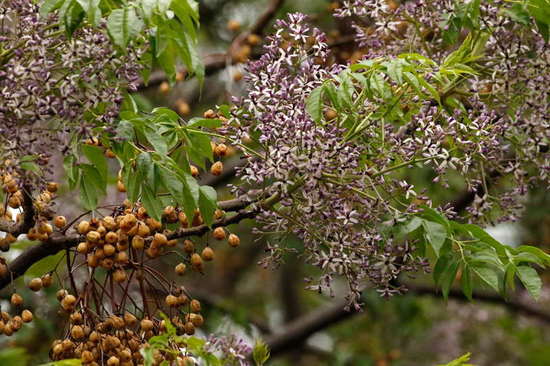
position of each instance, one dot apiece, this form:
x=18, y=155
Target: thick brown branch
x=59, y=241
x=513, y=304
x=298, y=331
x=35, y=253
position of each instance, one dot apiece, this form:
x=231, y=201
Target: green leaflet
x=123, y=25
x=208, y=203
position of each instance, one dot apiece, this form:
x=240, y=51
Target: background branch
x=299, y=330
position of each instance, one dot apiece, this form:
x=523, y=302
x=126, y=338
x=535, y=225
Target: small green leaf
x=201, y=147
x=132, y=182
x=71, y=170
x=535, y=251
x=123, y=25
x=67, y=362
x=88, y=191
x=72, y=14
x=156, y=140
x=14, y=356
x=394, y=69
x=461, y=361
x=208, y=203
x=91, y=7
x=483, y=236
x=448, y=277
x=125, y=129
x=145, y=169
x=466, y=282
x=97, y=158
x=531, y=280
x=204, y=122
x=260, y=352
x=314, y=104
x=435, y=235
x=488, y=275
x=151, y=202
x=148, y=355
x=49, y=6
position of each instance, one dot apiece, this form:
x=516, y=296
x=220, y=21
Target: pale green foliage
x=461, y=361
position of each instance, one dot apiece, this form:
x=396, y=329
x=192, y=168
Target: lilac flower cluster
x=385, y=27
x=233, y=350
x=335, y=219
x=505, y=130
x=52, y=86
x=340, y=196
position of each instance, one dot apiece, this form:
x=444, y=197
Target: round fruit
x=219, y=233
x=26, y=315
x=138, y=242
x=195, y=306
x=216, y=168
x=220, y=150
x=16, y=300
x=129, y=319
x=109, y=250
x=146, y=325
x=60, y=222
x=113, y=361
x=82, y=248
x=233, y=25
x=52, y=187
x=188, y=246
x=209, y=114
x=160, y=239
x=119, y=275
x=171, y=300
x=253, y=39
x=83, y=227
x=180, y=269
x=207, y=254
x=77, y=332
x=47, y=280
x=234, y=240
x=189, y=328
x=164, y=88
x=93, y=236
x=197, y=320
x=35, y=284
x=196, y=260
x=111, y=237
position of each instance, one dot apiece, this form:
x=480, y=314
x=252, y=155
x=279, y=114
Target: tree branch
x=298, y=331
x=59, y=241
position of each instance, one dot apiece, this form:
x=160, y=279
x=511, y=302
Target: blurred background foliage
x=246, y=299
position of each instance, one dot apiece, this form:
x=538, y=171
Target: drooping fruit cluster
x=18, y=199
x=11, y=324
x=112, y=319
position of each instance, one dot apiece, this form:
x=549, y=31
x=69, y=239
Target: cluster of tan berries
x=15, y=200
x=108, y=241
x=117, y=339
x=116, y=243
x=11, y=324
